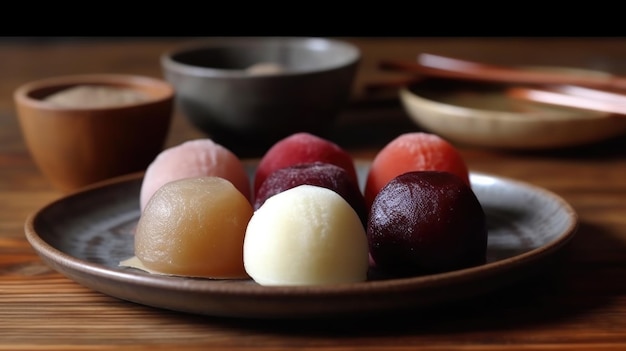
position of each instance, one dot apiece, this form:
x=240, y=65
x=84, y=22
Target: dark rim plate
x=86, y=234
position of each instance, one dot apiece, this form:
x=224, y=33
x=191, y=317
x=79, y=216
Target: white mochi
x=307, y=235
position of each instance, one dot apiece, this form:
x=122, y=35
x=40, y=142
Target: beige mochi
x=307, y=235
x=193, y=227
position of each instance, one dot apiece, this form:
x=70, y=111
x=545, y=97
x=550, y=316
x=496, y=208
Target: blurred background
x=56, y=56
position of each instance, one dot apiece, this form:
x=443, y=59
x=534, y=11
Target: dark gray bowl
x=248, y=112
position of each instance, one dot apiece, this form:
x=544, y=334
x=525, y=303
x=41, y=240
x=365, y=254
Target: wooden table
x=579, y=304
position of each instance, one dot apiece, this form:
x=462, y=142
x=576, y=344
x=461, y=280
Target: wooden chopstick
x=571, y=96
x=446, y=67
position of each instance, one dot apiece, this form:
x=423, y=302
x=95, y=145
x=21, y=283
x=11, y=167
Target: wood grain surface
x=578, y=303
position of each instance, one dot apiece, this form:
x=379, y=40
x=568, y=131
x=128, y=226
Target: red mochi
x=319, y=174
x=417, y=151
x=302, y=148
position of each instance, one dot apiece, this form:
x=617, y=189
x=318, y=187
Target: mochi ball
x=194, y=158
x=193, y=227
x=306, y=235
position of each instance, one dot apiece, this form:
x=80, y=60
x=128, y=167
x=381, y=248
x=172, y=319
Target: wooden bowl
x=483, y=115
x=83, y=142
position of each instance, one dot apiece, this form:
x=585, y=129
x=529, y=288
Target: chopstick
x=573, y=96
x=447, y=67
x=590, y=92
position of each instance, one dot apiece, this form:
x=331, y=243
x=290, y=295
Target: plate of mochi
x=303, y=232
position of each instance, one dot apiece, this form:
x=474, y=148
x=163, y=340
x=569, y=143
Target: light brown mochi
x=193, y=227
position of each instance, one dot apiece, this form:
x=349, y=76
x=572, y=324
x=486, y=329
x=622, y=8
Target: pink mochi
x=194, y=158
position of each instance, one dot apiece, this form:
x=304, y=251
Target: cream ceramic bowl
x=481, y=114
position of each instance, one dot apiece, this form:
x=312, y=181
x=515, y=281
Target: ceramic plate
x=86, y=234
x=484, y=115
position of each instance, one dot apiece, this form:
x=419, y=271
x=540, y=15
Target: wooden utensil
x=447, y=67
x=573, y=96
